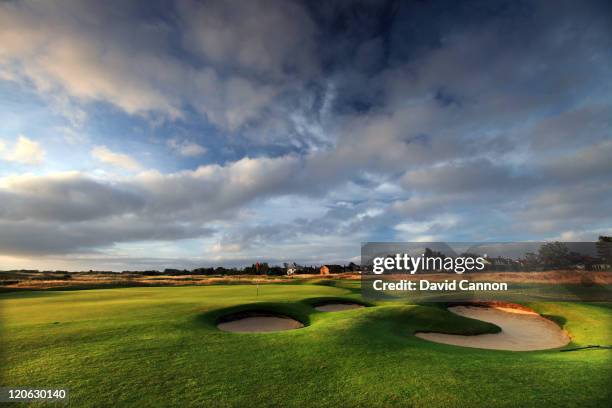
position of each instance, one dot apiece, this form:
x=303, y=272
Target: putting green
x=160, y=347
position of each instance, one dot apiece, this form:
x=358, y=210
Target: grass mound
x=295, y=311
x=325, y=300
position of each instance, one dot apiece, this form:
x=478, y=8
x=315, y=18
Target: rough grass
x=160, y=347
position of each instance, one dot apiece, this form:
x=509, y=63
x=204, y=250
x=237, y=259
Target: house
x=501, y=263
x=329, y=269
x=591, y=263
x=293, y=268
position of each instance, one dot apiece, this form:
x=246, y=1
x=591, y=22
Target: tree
x=555, y=254
x=263, y=268
x=531, y=260
x=604, y=248
x=250, y=270
x=433, y=254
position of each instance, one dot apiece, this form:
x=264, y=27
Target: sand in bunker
x=260, y=324
x=337, y=307
x=521, y=330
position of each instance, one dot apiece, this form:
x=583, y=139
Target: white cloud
x=221, y=248
x=69, y=212
x=72, y=60
x=430, y=230
x=24, y=151
x=186, y=148
x=192, y=149
x=105, y=155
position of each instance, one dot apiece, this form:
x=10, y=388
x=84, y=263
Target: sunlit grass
x=159, y=347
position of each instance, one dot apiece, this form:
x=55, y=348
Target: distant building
x=590, y=263
x=600, y=267
x=329, y=269
x=293, y=268
x=501, y=263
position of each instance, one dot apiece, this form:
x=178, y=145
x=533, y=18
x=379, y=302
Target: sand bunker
x=259, y=324
x=338, y=307
x=521, y=330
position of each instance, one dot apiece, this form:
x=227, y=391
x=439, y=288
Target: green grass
x=159, y=346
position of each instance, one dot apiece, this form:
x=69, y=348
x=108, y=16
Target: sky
x=154, y=134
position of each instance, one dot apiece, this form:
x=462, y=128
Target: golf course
x=160, y=346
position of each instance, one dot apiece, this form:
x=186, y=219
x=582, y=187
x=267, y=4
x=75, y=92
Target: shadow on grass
x=395, y=325
x=560, y=320
x=324, y=300
x=23, y=294
x=296, y=310
x=352, y=286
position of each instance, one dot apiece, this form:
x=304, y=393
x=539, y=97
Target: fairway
x=160, y=346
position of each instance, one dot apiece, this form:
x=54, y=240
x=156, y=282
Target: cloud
x=107, y=156
x=260, y=35
x=63, y=197
x=557, y=209
x=24, y=151
x=186, y=148
x=427, y=231
x=69, y=50
x=572, y=128
x=583, y=164
x=466, y=176
x=214, y=191
x=54, y=238
x=60, y=211
x=58, y=53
